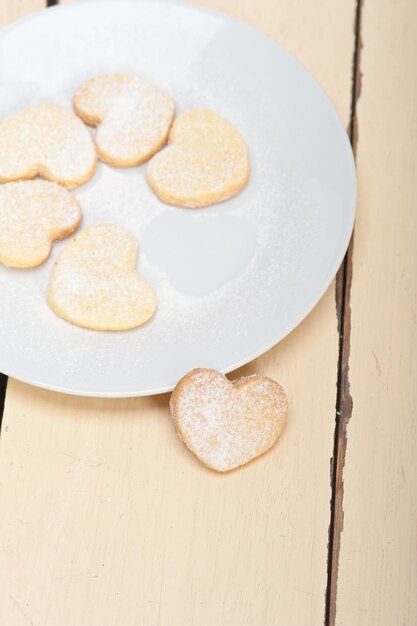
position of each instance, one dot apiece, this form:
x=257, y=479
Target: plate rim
x=331, y=273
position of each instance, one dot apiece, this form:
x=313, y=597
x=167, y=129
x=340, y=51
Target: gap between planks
x=3, y=386
x=344, y=402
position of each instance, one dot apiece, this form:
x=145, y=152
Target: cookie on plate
x=132, y=116
x=94, y=283
x=205, y=162
x=34, y=214
x=48, y=141
x=227, y=424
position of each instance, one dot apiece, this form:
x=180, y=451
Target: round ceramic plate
x=232, y=279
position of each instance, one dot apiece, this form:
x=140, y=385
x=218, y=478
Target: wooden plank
x=10, y=11
x=106, y=519
x=377, y=581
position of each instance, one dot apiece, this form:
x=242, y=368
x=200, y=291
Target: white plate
x=232, y=279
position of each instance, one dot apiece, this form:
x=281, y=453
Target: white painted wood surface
x=106, y=519
x=11, y=10
x=377, y=582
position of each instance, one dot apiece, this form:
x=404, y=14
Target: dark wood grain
x=344, y=401
x=3, y=386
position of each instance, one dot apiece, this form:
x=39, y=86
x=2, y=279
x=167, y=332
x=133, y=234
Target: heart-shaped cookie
x=206, y=161
x=132, y=115
x=34, y=214
x=49, y=141
x=226, y=424
x=94, y=283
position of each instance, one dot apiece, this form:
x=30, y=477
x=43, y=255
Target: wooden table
x=105, y=518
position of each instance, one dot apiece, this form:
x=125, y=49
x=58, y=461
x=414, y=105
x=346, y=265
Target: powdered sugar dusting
x=33, y=214
x=225, y=424
x=206, y=161
x=48, y=140
x=297, y=201
x=94, y=283
x=133, y=116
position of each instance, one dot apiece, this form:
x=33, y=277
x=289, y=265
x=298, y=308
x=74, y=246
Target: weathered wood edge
x=344, y=401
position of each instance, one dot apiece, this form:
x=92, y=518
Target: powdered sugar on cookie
x=206, y=161
x=133, y=117
x=227, y=424
x=34, y=214
x=49, y=141
x=94, y=283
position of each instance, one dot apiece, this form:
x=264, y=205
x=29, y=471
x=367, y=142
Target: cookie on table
x=132, y=116
x=205, y=162
x=227, y=424
x=48, y=141
x=34, y=214
x=94, y=283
